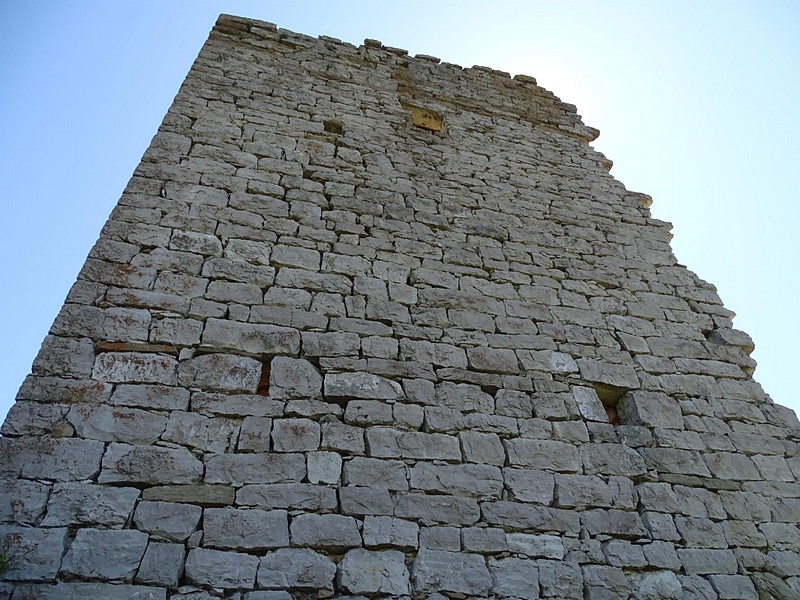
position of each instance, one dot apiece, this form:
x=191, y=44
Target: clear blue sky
x=697, y=104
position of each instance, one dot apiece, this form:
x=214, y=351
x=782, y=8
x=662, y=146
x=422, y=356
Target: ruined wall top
x=370, y=325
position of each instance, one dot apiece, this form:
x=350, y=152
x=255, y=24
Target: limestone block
x=295, y=435
x=252, y=339
x=536, y=518
x=700, y=561
x=513, y=403
x=699, y=532
x=727, y=465
x=75, y=591
x=661, y=555
x=23, y=501
x=324, y=467
x=547, y=361
x=480, y=481
x=238, y=271
x=239, y=405
x=56, y=389
x=201, y=495
x=325, y=531
x=135, y=367
x=657, y=585
x=451, y=510
x=167, y=520
x=34, y=418
x=408, y=416
x=310, y=280
x=227, y=291
x=361, y=501
x=241, y=469
x=389, y=474
x=458, y=573
x=125, y=324
x=254, y=434
x=157, y=397
x=330, y=344
x=529, y=485
x=374, y=572
x=56, y=459
x=483, y=448
x=514, y=578
x=391, y=443
x=620, y=376
x=303, y=496
x=538, y=546
x=225, y=372
x=162, y=564
x=344, y=438
x=611, y=459
x=623, y=554
x=292, y=378
x=492, y=360
x=589, y=404
x=149, y=465
x=180, y=332
x=296, y=568
x=368, y=412
x=199, y=243
x=215, y=568
x=483, y=540
x=617, y=523
x=440, y=538
x=651, y=409
x=74, y=504
x=105, y=554
x=543, y=454
x=386, y=531
x=69, y=357
x=559, y=579
x=604, y=583
x=361, y=385
x=31, y=553
x=116, y=424
x=673, y=460
x=245, y=529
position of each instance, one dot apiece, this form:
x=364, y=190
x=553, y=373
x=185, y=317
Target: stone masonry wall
x=370, y=325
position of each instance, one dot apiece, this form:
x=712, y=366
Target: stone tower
x=370, y=325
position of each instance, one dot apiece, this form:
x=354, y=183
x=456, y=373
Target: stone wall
x=372, y=325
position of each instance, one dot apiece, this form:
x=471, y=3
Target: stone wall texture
x=371, y=325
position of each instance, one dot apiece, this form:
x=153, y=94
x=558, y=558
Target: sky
x=697, y=105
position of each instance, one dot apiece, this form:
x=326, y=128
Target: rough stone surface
x=370, y=325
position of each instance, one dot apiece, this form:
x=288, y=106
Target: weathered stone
x=589, y=404
x=292, y=569
x=152, y=465
x=79, y=591
x=32, y=554
x=252, y=339
x=541, y=546
x=110, y=424
x=536, y=518
x=612, y=459
x=324, y=467
x=483, y=540
x=215, y=568
x=390, y=474
x=295, y=435
x=391, y=443
x=543, y=454
x=201, y=495
x=604, y=583
x=482, y=481
x=618, y=376
x=65, y=357
x=292, y=378
x=458, y=573
x=225, y=372
x=325, y=531
x=167, y=520
x=288, y=495
x=162, y=564
x=241, y=469
x=483, y=448
x=157, y=397
x=56, y=459
x=135, y=367
x=528, y=485
x=344, y=438
x=650, y=409
x=386, y=531
x=514, y=578
x=23, y=501
x=657, y=585
x=437, y=509
x=73, y=504
x=105, y=554
x=702, y=562
x=361, y=501
x=374, y=572
x=361, y=385
x=236, y=405
x=245, y=529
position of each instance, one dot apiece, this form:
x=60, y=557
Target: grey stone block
x=431, y=509
x=657, y=585
x=324, y=467
x=458, y=573
x=157, y=397
x=250, y=338
x=153, y=465
x=482, y=448
x=23, y=501
x=303, y=496
x=32, y=554
x=389, y=474
x=604, y=583
x=361, y=385
x=538, y=546
x=245, y=529
x=361, y=501
x=296, y=569
x=481, y=481
x=483, y=540
x=386, y=531
x=619, y=376
x=241, y=469
x=543, y=454
x=325, y=531
x=162, y=564
x=391, y=443
x=224, y=372
x=292, y=378
x=589, y=404
x=651, y=409
x=105, y=554
x=215, y=568
x=697, y=561
x=68, y=357
x=254, y=434
x=536, y=518
x=295, y=435
x=90, y=591
x=374, y=572
x=84, y=504
x=135, y=367
x=529, y=485
x=167, y=520
x=514, y=578
x=201, y=495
